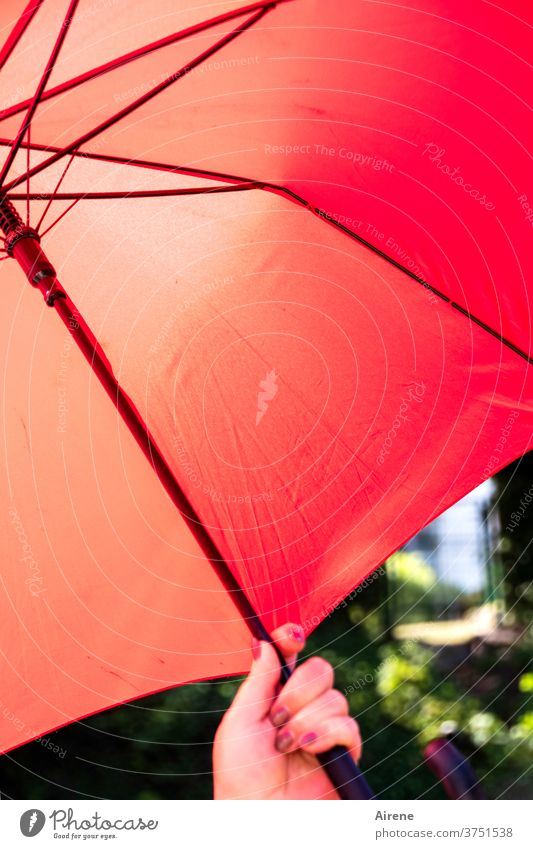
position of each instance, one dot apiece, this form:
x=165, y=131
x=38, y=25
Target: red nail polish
x=256, y=649
x=297, y=633
x=308, y=738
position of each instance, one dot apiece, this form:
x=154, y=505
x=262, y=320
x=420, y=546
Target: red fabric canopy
x=306, y=260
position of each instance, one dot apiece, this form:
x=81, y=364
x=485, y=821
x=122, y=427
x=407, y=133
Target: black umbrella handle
x=453, y=770
x=337, y=762
x=344, y=774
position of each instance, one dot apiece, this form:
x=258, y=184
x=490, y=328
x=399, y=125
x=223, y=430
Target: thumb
x=256, y=694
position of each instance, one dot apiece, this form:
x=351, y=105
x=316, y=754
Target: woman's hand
x=266, y=744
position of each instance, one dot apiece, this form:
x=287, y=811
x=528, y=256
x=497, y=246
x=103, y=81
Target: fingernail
x=308, y=738
x=256, y=649
x=297, y=633
x=280, y=716
x=284, y=741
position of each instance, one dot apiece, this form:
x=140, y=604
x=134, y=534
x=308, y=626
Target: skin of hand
x=266, y=744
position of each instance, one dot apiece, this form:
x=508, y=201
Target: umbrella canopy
x=299, y=233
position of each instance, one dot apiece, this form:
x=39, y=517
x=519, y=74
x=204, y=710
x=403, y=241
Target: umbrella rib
x=147, y=96
x=28, y=165
x=295, y=198
x=18, y=30
x=139, y=53
x=26, y=122
x=122, y=195
x=282, y=190
x=138, y=163
x=134, y=193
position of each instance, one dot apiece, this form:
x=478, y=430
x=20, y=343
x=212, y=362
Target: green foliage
x=403, y=693
x=525, y=684
x=409, y=567
x=416, y=595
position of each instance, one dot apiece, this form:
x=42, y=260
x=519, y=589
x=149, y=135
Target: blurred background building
x=451, y=569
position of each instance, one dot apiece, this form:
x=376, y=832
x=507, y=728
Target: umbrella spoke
x=18, y=31
x=136, y=104
x=53, y=195
x=137, y=193
x=53, y=224
x=141, y=163
x=26, y=123
x=140, y=53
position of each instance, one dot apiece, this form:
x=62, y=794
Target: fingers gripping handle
x=337, y=762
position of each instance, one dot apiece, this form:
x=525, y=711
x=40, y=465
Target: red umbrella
x=292, y=244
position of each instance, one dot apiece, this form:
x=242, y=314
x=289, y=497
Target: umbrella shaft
x=23, y=244
x=337, y=762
